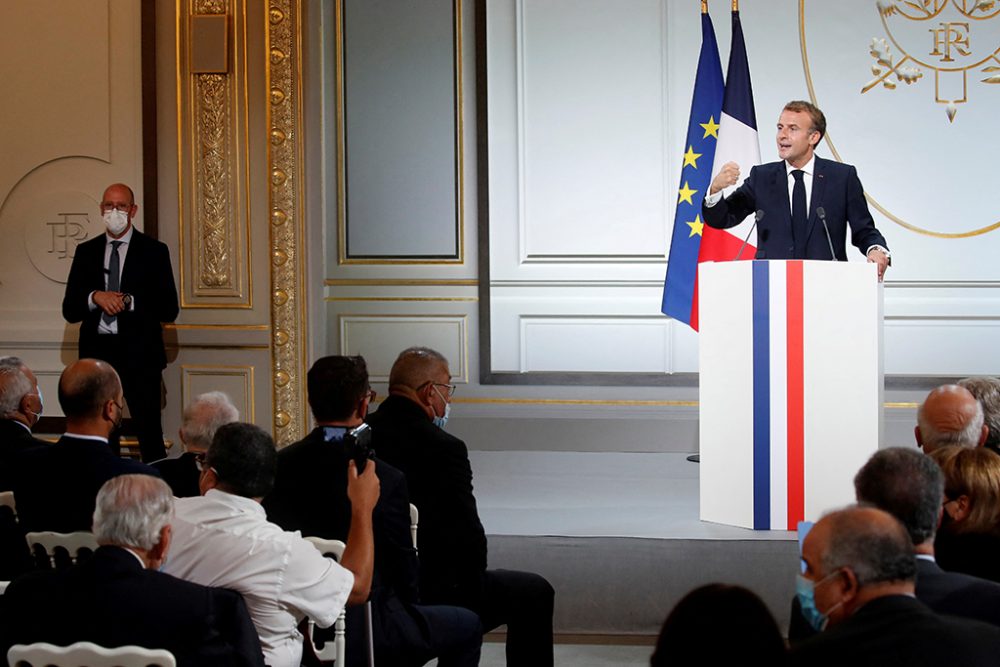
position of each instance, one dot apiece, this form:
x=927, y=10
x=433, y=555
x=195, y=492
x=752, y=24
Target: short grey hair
x=876, y=551
x=14, y=385
x=132, y=510
x=987, y=392
x=908, y=485
x=204, y=415
x=934, y=438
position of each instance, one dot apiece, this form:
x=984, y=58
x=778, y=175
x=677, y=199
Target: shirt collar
x=79, y=436
x=124, y=239
x=236, y=503
x=808, y=167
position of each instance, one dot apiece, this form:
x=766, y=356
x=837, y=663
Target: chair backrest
x=73, y=543
x=7, y=500
x=85, y=654
x=335, y=650
x=414, y=520
x=3, y=586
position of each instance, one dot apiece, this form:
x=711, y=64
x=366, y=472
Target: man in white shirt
x=223, y=538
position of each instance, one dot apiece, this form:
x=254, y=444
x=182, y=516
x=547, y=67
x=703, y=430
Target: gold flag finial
x=736, y=5
x=704, y=6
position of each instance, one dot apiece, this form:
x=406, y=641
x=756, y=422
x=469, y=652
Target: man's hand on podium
x=877, y=256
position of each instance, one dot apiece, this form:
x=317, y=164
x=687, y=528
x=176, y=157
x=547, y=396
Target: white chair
x=414, y=520
x=331, y=650
x=85, y=654
x=73, y=543
x=3, y=586
x=7, y=500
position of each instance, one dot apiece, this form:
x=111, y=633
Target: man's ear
x=207, y=480
x=158, y=554
x=920, y=439
x=849, y=586
x=985, y=434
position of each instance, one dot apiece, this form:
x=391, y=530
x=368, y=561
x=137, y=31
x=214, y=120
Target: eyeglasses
x=199, y=461
x=371, y=395
x=121, y=208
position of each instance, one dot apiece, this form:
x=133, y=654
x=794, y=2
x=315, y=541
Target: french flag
x=737, y=143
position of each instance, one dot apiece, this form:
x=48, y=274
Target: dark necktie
x=799, y=215
x=114, y=276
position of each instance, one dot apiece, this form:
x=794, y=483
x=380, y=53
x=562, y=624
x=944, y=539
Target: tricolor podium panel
x=790, y=388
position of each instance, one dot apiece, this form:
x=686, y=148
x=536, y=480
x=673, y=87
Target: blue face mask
x=442, y=421
x=805, y=591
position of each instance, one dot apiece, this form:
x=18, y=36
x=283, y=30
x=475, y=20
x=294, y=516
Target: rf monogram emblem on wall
x=951, y=38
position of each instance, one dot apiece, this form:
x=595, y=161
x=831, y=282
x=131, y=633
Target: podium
x=791, y=387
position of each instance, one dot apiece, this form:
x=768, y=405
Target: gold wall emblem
x=951, y=38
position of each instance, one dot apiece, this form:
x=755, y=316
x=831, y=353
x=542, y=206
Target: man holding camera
x=310, y=496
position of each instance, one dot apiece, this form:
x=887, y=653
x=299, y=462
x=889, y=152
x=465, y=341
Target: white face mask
x=115, y=221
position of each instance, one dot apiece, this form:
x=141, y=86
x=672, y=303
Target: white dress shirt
x=224, y=540
x=102, y=326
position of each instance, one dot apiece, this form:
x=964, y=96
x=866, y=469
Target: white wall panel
x=613, y=345
x=380, y=338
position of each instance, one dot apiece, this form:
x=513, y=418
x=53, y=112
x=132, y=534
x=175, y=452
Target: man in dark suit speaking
x=804, y=203
x=122, y=288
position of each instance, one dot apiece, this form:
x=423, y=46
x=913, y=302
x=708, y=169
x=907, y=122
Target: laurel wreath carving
x=882, y=53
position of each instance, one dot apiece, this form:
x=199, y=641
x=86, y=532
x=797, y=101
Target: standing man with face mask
x=408, y=433
x=121, y=287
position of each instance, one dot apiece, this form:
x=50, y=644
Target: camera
x=358, y=445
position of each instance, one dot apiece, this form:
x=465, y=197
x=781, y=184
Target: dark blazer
x=958, y=594
x=181, y=474
x=146, y=275
x=451, y=538
x=835, y=187
x=900, y=630
x=950, y=593
x=57, y=485
x=977, y=554
x=14, y=439
x=310, y=495
x=112, y=601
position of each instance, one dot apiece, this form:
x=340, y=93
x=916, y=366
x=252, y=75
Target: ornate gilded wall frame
x=287, y=226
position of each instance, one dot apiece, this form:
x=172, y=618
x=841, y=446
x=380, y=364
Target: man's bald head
x=416, y=366
x=950, y=415
x=85, y=386
x=869, y=541
x=119, y=192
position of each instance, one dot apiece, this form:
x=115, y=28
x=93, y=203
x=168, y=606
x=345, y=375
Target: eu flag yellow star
x=691, y=158
x=711, y=128
x=685, y=194
x=695, y=226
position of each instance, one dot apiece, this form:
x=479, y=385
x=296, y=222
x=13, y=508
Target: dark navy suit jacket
x=835, y=187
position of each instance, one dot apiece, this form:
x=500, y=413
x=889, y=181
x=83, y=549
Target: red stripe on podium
x=796, y=419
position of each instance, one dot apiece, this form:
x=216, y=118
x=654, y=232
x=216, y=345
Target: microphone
x=757, y=217
x=822, y=218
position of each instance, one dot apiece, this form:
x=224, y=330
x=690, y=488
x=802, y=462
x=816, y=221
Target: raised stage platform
x=618, y=535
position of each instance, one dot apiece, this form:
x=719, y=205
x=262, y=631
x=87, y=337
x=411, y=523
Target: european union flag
x=696, y=176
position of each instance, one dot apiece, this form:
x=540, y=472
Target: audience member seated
x=118, y=598
x=309, y=496
x=950, y=415
x=55, y=486
x=408, y=432
x=969, y=538
x=987, y=392
x=20, y=409
x=201, y=418
x=910, y=486
x=719, y=625
x=224, y=539
x=859, y=581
